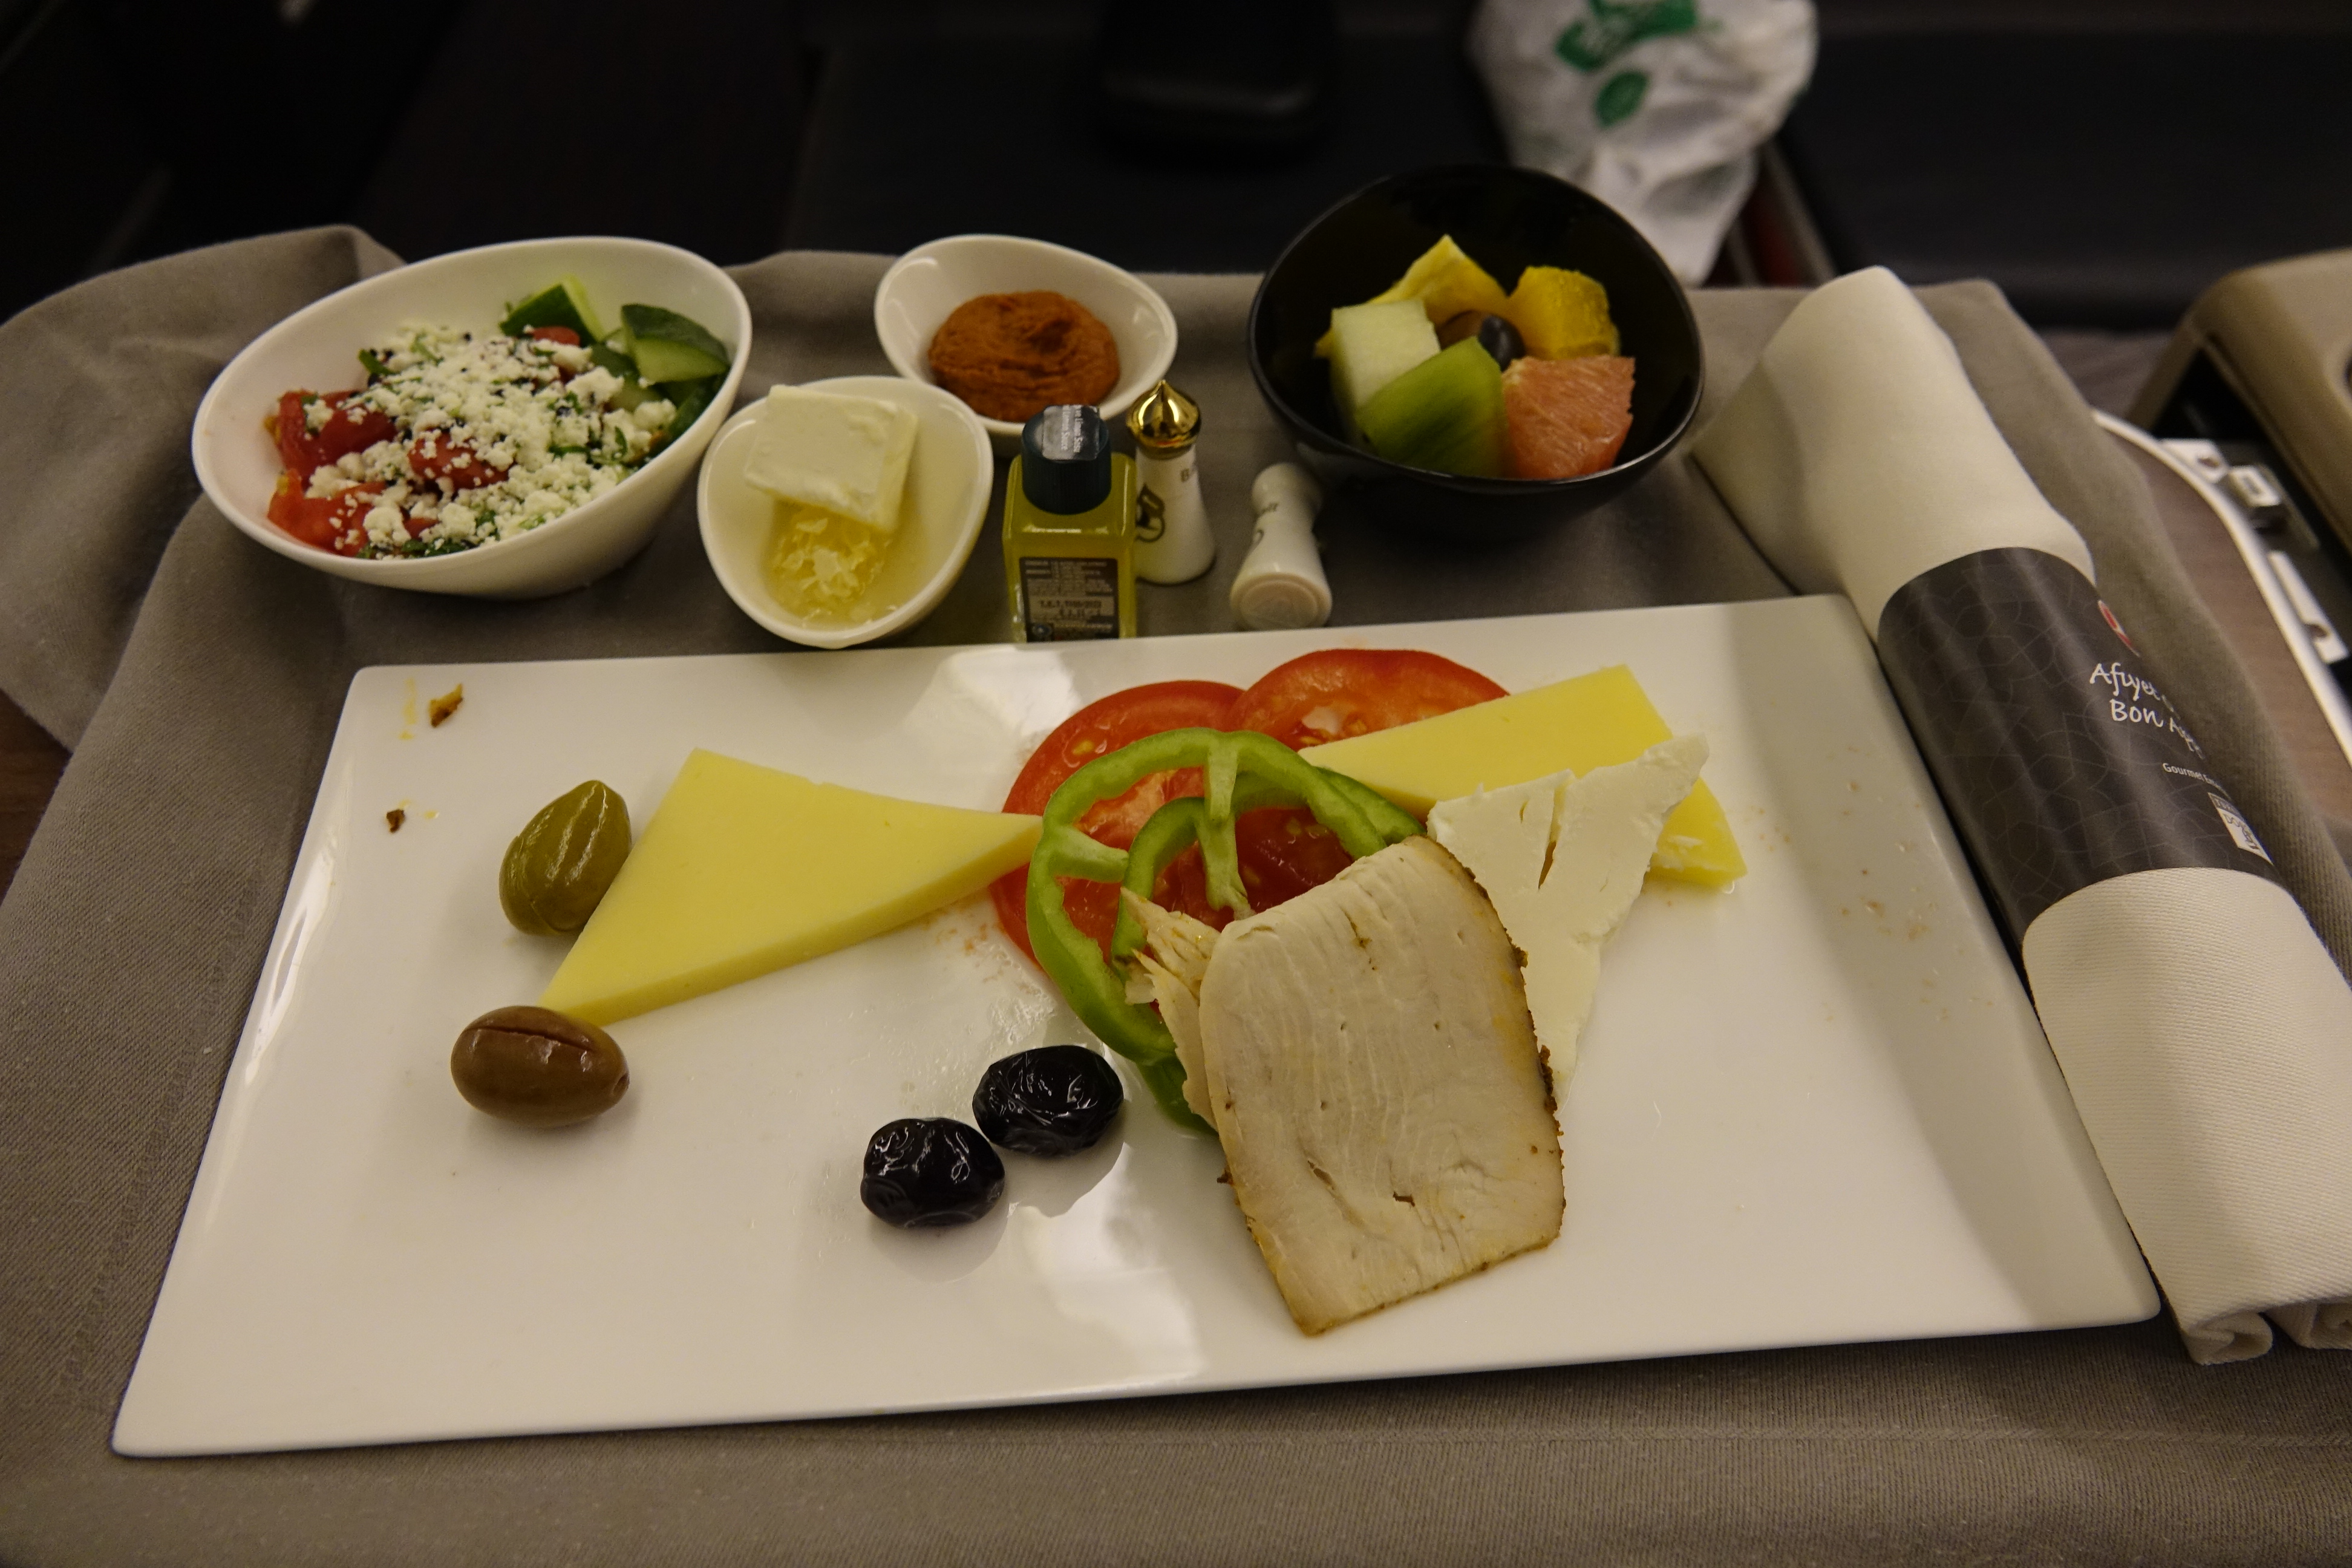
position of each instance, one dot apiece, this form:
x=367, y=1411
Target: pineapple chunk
x=1446, y=282
x=1561, y=314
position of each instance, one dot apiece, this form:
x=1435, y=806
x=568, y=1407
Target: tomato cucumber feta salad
x=461, y=439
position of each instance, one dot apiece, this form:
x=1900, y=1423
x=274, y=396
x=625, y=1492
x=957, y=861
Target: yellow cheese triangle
x=744, y=869
x=1595, y=720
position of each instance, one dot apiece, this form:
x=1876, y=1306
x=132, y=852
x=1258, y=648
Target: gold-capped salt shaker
x=1172, y=541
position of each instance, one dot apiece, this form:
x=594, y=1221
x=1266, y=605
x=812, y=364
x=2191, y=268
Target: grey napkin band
x=2061, y=762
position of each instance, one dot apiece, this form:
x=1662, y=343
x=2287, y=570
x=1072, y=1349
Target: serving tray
x=1816, y=1108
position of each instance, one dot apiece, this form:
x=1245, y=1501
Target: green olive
x=539, y=1067
x=558, y=867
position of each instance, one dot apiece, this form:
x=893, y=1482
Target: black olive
x=1056, y=1099
x=1495, y=334
x=1501, y=339
x=930, y=1171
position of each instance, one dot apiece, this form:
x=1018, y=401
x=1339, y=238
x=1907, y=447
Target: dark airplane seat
x=2100, y=177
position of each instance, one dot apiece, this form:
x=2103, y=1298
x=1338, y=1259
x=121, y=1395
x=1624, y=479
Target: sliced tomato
x=451, y=464
x=345, y=430
x=291, y=430
x=1344, y=692
x=1104, y=726
x=330, y=522
x=1094, y=730
x=1283, y=852
x=349, y=429
x=563, y=335
x=1328, y=696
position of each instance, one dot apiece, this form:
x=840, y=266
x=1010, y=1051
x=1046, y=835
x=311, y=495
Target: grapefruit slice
x=1564, y=418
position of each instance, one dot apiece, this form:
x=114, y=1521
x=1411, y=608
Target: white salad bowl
x=925, y=286
x=317, y=349
x=940, y=515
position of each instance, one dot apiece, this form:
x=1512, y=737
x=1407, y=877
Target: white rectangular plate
x=1816, y=1108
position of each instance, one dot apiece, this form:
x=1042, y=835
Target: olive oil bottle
x=1069, y=531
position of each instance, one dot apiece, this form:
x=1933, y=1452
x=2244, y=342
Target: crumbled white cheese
x=598, y=384
x=539, y=418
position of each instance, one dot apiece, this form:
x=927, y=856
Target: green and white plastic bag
x=1655, y=106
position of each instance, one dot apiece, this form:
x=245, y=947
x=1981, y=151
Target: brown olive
x=534, y=1066
x=558, y=867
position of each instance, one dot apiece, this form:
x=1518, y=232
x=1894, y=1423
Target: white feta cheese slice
x=1562, y=859
x=842, y=454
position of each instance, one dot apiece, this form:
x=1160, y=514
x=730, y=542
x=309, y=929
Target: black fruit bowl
x=1508, y=219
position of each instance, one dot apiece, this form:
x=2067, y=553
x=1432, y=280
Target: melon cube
x=1371, y=345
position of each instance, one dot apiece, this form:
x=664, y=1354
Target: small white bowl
x=317, y=348
x=945, y=501
x=925, y=286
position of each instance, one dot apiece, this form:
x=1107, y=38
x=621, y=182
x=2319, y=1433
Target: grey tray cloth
x=202, y=708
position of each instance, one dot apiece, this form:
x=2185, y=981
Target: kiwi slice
x=670, y=347
x=1445, y=413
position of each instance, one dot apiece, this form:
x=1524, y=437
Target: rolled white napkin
x=2203, y=1030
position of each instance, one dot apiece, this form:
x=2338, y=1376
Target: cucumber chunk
x=1444, y=414
x=691, y=398
x=669, y=347
x=633, y=390
x=563, y=303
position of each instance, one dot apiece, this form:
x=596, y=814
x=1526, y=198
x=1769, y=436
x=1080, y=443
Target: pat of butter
x=744, y=869
x=838, y=453
x=1595, y=720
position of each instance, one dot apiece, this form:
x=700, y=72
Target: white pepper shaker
x=1172, y=541
x=1281, y=585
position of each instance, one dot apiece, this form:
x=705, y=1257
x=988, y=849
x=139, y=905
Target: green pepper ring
x=1244, y=770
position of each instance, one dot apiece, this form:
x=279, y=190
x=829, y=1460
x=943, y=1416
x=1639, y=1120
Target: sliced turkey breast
x=1173, y=961
x=1369, y=1057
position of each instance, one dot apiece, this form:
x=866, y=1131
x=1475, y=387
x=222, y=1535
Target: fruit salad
x=461, y=439
x=1444, y=371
